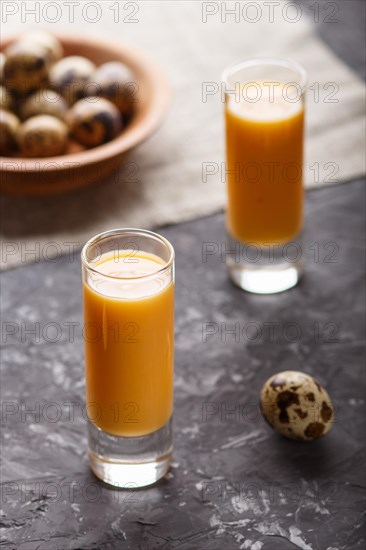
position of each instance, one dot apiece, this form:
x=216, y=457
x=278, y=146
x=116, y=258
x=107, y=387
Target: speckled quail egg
x=26, y=66
x=69, y=76
x=48, y=41
x=2, y=63
x=9, y=125
x=115, y=82
x=42, y=136
x=6, y=100
x=44, y=102
x=296, y=405
x=94, y=121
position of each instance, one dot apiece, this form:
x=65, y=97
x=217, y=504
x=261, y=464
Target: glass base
x=130, y=462
x=264, y=269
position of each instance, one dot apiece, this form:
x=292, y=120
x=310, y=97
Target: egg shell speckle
x=42, y=136
x=2, y=63
x=9, y=124
x=47, y=41
x=70, y=75
x=6, y=100
x=297, y=406
x=44, y=102
x=115, y=82
x=26, y=66
x=94, y=121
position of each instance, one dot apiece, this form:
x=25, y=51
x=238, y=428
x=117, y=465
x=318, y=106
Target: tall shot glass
x=264, y=115
x=128, y=290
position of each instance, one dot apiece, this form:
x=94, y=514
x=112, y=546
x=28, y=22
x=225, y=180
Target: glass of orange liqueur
x=128, y=288
x=264, y=112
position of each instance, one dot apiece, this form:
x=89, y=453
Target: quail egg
x=296, y=405
x=69, y=76
x=2, y=63
x=6, y=100
x=115, y=82
x=48, y=41
x=42, y=136
x=26, y=66
x=94, y=121
x=9, y=125
x=44, y=102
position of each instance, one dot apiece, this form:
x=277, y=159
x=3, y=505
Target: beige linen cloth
x=170, y=187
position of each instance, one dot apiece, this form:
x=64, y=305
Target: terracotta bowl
x=81, y=167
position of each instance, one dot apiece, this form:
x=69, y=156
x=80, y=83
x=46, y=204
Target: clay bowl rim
x=142, y=125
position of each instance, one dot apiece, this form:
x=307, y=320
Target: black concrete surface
x=234, y=483
x=341, y=24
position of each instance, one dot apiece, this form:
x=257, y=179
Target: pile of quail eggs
x=48, y=101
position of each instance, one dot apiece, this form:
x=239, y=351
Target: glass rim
x=274, y=61
x=120, y=231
